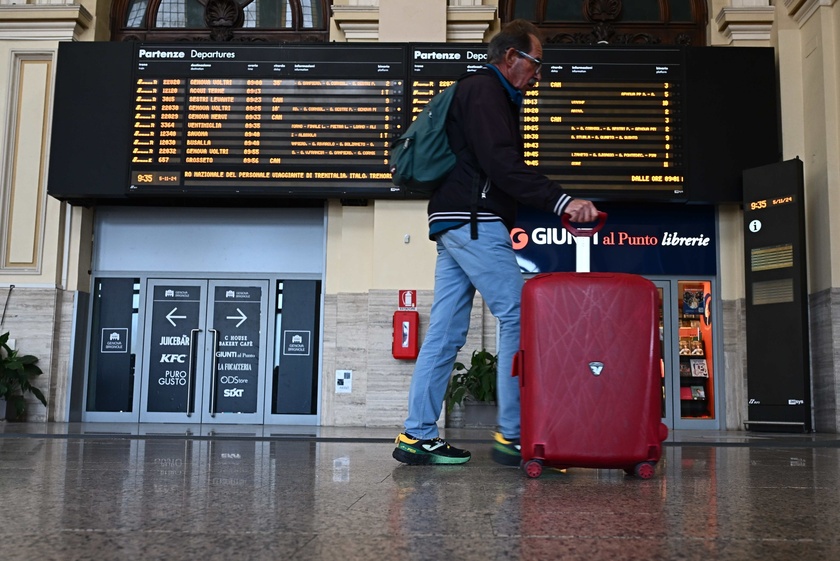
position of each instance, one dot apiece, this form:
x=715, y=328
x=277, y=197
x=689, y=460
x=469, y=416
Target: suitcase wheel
x=644, y=470
x=533, y=468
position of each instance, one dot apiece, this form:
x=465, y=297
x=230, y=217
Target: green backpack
x=421, y=158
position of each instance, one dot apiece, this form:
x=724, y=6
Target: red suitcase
x=589, y=373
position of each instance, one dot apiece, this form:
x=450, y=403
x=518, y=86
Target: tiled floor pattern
x=332, y=494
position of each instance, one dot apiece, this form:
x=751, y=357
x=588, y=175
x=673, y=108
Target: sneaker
x=506, y=452
x=414, y=451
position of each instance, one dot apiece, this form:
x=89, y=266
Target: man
x=470, y=216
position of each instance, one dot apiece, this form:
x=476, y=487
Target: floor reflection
x=311, y=497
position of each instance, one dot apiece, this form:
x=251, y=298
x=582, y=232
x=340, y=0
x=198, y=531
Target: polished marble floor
x=306, y=493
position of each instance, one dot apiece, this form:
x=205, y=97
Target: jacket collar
x=515, y=95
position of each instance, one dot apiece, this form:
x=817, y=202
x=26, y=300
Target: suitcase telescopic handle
x=566, y=221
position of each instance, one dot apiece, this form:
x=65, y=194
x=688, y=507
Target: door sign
x=296, y=342
x=236, y=321
x=175, y=313
x=114, y=340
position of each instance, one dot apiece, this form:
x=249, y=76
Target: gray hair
x=515, y=34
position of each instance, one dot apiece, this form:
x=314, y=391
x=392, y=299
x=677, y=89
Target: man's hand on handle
x=580, y=210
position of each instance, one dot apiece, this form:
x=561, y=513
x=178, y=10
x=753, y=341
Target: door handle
x=215, y=333
x=191, y=371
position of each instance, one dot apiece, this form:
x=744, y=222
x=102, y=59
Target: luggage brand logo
x=596, y=368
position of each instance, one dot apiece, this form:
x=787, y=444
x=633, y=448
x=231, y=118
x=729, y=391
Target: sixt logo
x=796, y=402
x=233, y=392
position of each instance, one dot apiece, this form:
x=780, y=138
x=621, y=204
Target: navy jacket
x=483, y=130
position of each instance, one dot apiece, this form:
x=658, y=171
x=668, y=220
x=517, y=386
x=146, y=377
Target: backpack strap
x=476, y=181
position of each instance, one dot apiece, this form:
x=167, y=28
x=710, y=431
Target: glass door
x=204, y=351
x=665, y=350
x=696, y=352
x=689, y=386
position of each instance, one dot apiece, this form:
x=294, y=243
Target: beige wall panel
x=60, y=367
x=357, y=337
x=790, y=87
x=31, y=318
x=26, y=157
x=731, y=224
x=101, y=28
x=714, y=36
x=814, y=156
x=360, y=238
x=80, y=249
x=349, y=248
x=831, y=69
x=412, y=20
x=735, y=362
x=408, y=265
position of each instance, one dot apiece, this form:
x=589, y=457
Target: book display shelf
x=695, y=351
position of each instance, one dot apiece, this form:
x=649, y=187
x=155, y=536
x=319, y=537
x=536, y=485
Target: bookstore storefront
x=675, y=248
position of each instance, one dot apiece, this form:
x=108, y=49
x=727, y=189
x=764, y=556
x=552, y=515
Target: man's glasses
x=535, y=60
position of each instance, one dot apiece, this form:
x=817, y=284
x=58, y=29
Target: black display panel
x=90, y=144
x=270, y=119
x=287, y=124
x=733, y=118
x=778, y=349
x=605, y=122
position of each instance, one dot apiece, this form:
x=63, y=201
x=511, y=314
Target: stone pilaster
x=43, y=20
x=746, y=21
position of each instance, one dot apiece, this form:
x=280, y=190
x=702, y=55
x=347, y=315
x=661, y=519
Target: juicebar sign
x=236, y=316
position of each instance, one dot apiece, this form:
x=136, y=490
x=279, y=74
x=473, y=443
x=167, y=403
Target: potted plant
x=473, y=385
x=15, y=374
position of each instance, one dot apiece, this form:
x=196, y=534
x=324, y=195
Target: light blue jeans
x=489, y=265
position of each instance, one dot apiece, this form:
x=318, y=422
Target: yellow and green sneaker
x=506, y=452
x=416, y=452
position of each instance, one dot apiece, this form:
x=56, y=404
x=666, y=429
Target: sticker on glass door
x=236, y=322
x=175, y=319
x=204, y=351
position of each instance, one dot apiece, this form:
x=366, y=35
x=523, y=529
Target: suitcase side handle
x=565, y=220
x=519, y=366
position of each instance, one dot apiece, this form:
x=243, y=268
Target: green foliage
x=478, y=381
x=15, y=374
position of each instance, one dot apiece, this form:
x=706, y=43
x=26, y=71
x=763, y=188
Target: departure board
x=602, y=121
x=275, y=119
x=306, y=122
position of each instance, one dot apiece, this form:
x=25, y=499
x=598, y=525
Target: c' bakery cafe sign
x=645, y=240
